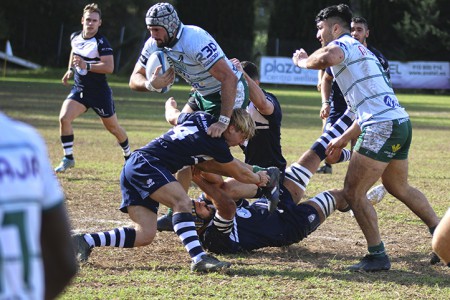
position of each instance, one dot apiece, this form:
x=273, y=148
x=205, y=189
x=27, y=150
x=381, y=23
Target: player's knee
x=144, y=236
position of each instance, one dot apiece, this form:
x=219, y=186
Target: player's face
x=324, y=32
x=91, y=22
x=160, y=35
x=233, y=136
x=202, y=210
x=359, y=32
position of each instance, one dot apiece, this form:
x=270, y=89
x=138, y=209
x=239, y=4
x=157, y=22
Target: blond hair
x=243, y=122
x=93, y=7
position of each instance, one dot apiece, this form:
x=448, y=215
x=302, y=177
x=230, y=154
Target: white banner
x=420, y=74
x=282, y=70
x=404, y=75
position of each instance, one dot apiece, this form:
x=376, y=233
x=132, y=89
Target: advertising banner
x=404, y=75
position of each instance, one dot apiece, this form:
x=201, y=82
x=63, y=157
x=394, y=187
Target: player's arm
x=57, y=251
x=69, y=72
x=256, y=94
x=325, y=92
x=104, y=66
x=171, y=111
x=238, y=170
x=319, y=79
x=138, y=79
x=322, y=58
x=225, y=205
x=223, y=73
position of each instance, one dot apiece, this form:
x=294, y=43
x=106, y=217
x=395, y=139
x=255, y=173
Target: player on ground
x=147, y=180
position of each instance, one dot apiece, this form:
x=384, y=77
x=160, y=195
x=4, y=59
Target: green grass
x=311, y=269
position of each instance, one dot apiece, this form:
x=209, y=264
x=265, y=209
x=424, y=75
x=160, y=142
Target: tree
x=229, y=22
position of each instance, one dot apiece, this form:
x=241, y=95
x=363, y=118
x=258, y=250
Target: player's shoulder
x=75, y=34
x=18, y=131
x=193, y=35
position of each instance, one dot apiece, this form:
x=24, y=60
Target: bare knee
x=64, y=120
x=144, y=236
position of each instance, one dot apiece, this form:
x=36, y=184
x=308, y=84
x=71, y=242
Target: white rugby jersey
x=27, y=187
x=364, y=85
x=193, y=55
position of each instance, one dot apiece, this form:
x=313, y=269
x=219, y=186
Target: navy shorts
x=141, y=176
x=100, y=100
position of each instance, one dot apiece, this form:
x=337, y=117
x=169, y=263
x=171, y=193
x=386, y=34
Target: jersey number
x=15, y=223
x=179, y=133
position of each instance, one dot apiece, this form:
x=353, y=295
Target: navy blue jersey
x=255, y=227
x=383, y=61
x=188, y=143
x=90, y=49
x=264, y=148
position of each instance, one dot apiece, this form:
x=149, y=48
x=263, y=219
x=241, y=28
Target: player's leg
x=395, y=179
x=70, y=110
x=141, y=234
x=184, y=177
x=112, y=125
x=173, y=195
x=441, y=239
x=300, y=173
x=362, y=173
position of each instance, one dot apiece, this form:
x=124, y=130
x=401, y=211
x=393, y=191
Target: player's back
x=23, y=191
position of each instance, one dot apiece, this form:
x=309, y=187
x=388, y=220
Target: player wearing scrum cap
x=217, y=85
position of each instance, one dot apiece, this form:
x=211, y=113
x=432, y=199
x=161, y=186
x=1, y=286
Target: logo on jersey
x=395, y=148
x=243, y=213
x=150, y=182
x=391, y=102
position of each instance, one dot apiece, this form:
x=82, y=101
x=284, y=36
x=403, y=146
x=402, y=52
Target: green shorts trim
x=385, y=141
x=212, y=103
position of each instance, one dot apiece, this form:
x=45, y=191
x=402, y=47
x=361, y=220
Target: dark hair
x=341, y=12
x=361, y=20
x=251, y=69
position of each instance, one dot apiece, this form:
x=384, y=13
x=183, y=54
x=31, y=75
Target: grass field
x=312, y=269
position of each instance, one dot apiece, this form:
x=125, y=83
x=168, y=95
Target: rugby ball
x=156, y=59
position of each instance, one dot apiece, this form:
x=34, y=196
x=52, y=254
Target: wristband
x=88, y=66
x=302, y=63
x=149, y=86
x=326, y=102
x=224, y=120
x=256, y=169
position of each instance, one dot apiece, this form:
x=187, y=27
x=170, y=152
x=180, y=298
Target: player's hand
x=216, y=129
x=66, y=77
x=335, y=145
x=237, y=64
x=158, y=81
x=263, y=178
x=325, y=111
x=298, y=56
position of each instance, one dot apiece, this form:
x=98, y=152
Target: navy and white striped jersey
x=188, y=143
x=264, y=148
x=255, y=227
x=90, y=49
